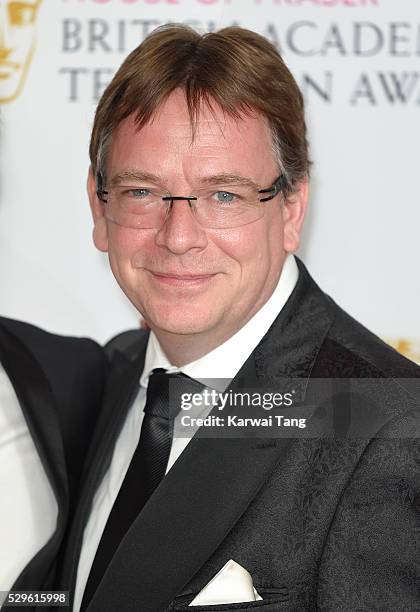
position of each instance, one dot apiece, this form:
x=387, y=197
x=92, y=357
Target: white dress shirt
x=28, y=508
x=223, y=362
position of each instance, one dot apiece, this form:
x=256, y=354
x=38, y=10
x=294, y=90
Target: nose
x=181, y=232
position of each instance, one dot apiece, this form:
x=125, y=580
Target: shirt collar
x=224, y=361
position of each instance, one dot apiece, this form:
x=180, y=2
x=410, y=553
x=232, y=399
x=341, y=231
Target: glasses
x=221, y=207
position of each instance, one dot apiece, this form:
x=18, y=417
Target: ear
x=100, y=228
x=294, y=209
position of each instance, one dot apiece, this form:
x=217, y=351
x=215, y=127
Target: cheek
x=231, y=242
x=276, y=235
x=236, y=248
x=255, y=247
x=125, y=241
x=123, y=245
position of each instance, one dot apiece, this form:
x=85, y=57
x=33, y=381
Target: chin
x=181, y=323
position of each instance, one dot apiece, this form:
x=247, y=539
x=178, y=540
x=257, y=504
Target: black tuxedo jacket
x=326, y=523
x=59, y=383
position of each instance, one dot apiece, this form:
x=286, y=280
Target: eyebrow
x=134, y=175
x=215, y=179
x=228, y=179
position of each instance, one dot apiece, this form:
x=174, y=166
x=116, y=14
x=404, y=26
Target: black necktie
x=147, y=467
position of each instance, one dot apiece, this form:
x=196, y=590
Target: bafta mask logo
x=17, y=42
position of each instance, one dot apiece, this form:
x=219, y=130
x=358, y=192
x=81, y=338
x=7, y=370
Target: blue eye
x=224, y=197
x=139, y=193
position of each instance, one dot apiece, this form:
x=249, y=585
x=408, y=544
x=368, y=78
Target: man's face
x=183, y=278
x=17, y=38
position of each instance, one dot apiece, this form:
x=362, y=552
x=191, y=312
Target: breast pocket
x=272, y=600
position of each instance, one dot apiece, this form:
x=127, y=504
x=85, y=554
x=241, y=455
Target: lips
x=182, y=280
x=181, y=276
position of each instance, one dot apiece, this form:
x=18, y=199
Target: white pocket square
x=233, y=584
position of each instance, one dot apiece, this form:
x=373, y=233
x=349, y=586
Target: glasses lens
x=227, y=207
x=217, y=208
x=135, y=206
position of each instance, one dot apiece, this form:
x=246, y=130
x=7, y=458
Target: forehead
x=219, y=140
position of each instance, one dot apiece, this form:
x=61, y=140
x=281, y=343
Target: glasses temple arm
x=279, y=184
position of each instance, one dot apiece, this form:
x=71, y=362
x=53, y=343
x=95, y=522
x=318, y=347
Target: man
x=50, y=395
x=198, y=188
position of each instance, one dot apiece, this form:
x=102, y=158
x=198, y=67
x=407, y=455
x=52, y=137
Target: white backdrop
x=358, y=63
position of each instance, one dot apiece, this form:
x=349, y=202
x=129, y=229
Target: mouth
x=182, y=280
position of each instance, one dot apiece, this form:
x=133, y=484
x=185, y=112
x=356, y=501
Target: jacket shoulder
x=42, y=344
x=365, y=347
x=131, y=343
x=75, y=370
x=351, y=351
